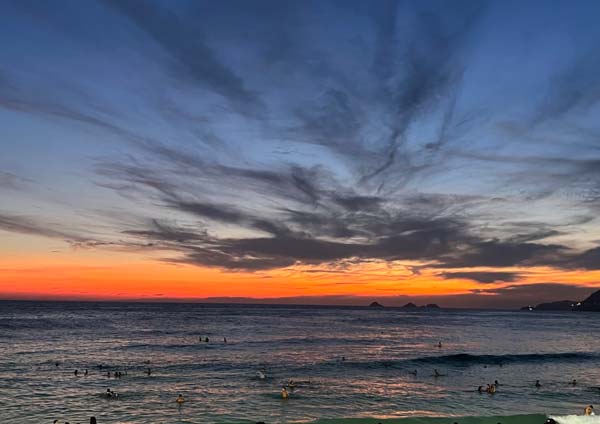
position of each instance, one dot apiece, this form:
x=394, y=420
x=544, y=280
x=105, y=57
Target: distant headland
x=591, y=303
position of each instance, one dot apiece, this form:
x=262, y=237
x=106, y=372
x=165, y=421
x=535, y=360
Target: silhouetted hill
x=591, y=303
x=376, y=305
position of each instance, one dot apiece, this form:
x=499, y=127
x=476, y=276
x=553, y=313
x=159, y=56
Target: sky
x=332, y=152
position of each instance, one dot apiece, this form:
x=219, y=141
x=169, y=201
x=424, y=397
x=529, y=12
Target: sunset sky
x=300, y=151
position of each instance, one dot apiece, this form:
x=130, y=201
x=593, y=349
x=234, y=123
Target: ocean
x=349, y=365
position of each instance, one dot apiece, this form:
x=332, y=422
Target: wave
x=466, y=359
x=576, y=419
x=463, y=360
x=512, y=419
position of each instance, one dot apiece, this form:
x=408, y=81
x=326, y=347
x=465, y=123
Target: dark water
x=220, y=382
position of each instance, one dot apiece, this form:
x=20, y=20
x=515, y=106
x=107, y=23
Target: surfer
x=589, y=410
x=538, y=384
x=284, y=393
x=180, y=399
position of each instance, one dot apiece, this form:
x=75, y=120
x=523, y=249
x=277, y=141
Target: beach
x=347, y=365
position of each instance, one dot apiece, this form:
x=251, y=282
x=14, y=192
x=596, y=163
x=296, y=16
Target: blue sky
x=216, y=132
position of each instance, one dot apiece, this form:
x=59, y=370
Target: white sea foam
x=577, y=419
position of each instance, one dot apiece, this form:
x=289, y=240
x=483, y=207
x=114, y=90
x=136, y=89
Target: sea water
x=350, y=365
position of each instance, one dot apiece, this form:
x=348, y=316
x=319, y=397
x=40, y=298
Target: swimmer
x=108, y=393
x=149, y=371
x=550, y=421
x=291, y=384
x=480, y=389
x=491, y=389
x=206, y=340
x=589, y=410
x=284, y=393
x=85, y=372
x=180, y=399
x=225, y=340
x=439, y=345
x=496, y=383
x=92, y=420
x=108, y=374
x=574, y=382
x=413, y=372
x=76, y=372
x=436, y=373
x=538, y=384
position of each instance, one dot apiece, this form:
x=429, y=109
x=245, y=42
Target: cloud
x=11, y=181
x=483, y=276
x=27, y=225
x=177, y=34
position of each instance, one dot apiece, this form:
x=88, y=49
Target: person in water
x=284, y=393
x=496, y=383
x=589, y=410
x=574, y=382
x=480, y=389
x=538, y=384
x=440, y=344
x=76, y=372
x=93, y=420
x=206, y=340
x=491, y=389
x=85, y=372
x=436, y=373
x=180, y=399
